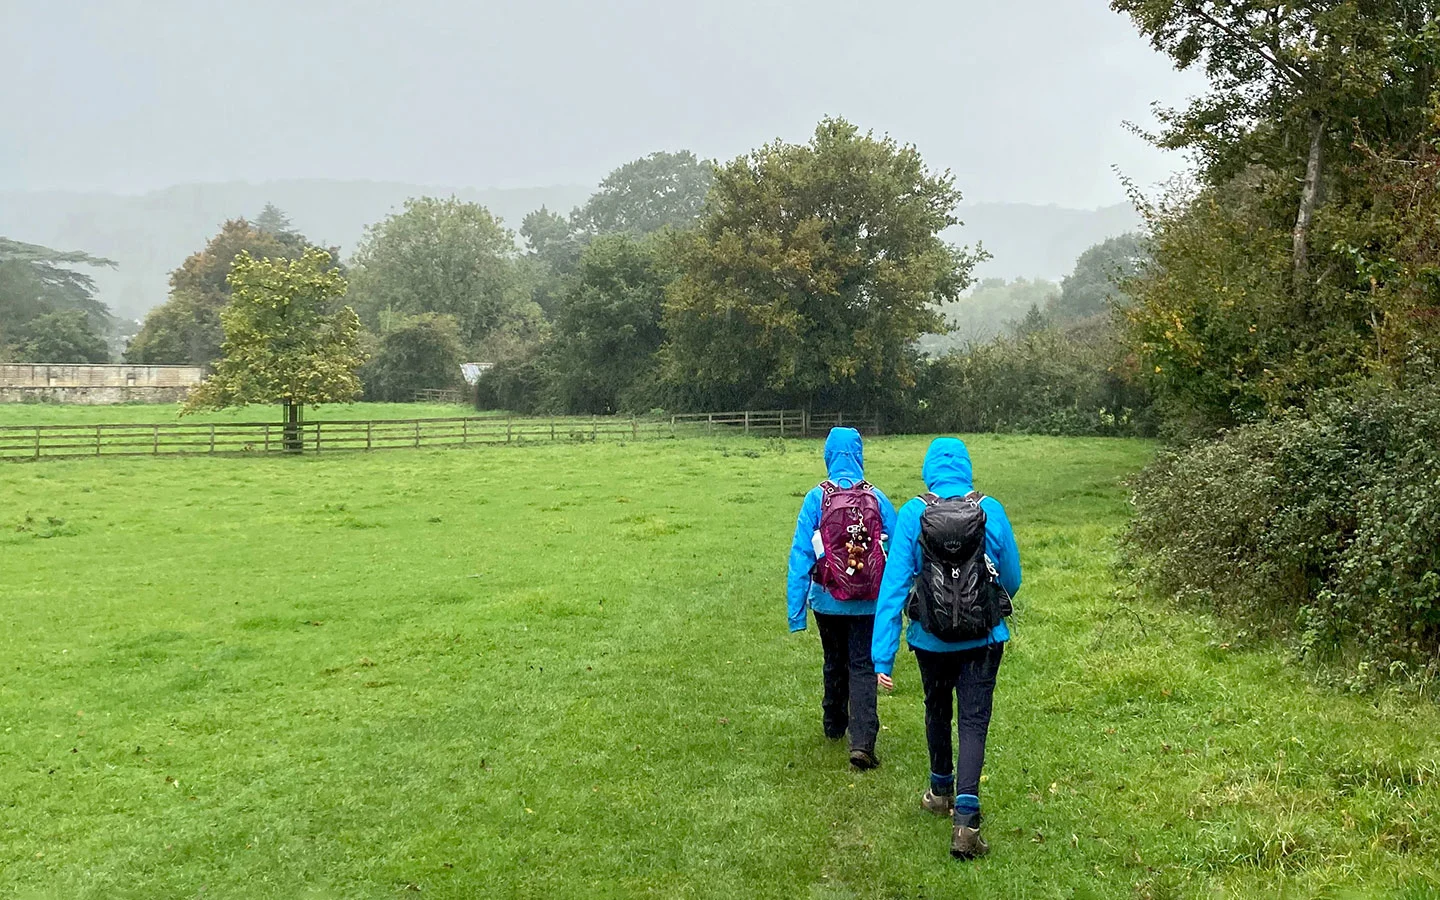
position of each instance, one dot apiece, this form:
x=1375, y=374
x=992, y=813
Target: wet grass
x=563, y=671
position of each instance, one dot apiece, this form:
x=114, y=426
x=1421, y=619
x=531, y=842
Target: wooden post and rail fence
x=20, y=442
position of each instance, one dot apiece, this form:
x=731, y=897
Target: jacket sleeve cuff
x=885, y=668
x=798, y=624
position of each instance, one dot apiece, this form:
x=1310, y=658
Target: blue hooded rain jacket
x=947, y=473
x=845, y=465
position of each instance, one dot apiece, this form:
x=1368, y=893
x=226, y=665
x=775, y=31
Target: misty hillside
x=150, y=234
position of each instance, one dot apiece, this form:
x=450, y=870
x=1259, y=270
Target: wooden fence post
x=267, y=437
x=37, y=442
x=155, y=442
x=782, y=423
x=417, y=432
x=212, y=438
x=369, y=429
x=464, y=432
x=634, y=429
x=317, y=437
x=747, y=421
x=97, y=440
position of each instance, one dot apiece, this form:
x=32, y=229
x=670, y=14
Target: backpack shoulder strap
x=863, y=485
x=828, y=488
x=931, y=498
x=975, y=497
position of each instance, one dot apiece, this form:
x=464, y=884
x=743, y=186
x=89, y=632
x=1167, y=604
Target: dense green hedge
x=1324, y=527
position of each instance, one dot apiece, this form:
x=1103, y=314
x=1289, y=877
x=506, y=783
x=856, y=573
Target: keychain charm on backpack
x=849, y=539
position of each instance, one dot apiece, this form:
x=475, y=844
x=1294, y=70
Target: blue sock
x=942, y=785
x=967, y=805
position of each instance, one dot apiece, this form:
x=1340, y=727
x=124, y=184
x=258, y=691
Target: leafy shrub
x=1048, y=381
x=1324, y=527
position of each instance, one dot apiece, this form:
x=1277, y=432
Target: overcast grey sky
x=1023, y=99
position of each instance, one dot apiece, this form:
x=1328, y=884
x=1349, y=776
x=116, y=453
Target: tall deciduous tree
x=608, y=329
x=1093, y=287
x=657, y=191
x=186, y=330
x=813, y=271
x=446, y=257
x=1289, y=80
x=287, y=339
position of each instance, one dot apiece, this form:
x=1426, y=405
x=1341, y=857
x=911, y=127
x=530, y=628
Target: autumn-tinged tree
x=186, y=330
x=287, y=340
x=813, y=271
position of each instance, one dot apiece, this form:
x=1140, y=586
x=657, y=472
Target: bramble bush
x=1322, y=527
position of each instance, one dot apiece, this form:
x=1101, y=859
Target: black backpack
x=957, y=596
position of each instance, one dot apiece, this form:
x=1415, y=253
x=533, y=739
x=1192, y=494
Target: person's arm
x=1000, y=545
x=802, y=560
x=900, y=571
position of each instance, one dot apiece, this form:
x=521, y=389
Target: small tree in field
x=285, y=340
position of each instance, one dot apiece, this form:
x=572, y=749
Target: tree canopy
x=662, y=190
x=287, y=339
x=813, y=271
x=417, y=353
x=48, y=308
x=186, y=329
x=447, y=257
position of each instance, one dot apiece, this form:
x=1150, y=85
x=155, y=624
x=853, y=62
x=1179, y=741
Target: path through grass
x=563, y=672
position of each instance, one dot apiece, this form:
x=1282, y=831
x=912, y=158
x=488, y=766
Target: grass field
x=149, y=413
x=563, y=671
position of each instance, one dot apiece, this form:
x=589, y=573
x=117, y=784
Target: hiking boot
x=966, y=842
x=939, y=804
x=864, y=759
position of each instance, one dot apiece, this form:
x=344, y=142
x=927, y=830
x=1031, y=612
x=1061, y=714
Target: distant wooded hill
x=150, y=234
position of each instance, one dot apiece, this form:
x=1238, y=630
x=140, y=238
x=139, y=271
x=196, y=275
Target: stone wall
x=95, y=385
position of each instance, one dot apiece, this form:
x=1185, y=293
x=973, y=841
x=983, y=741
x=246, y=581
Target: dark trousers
x=849, y=679
x=966, y=678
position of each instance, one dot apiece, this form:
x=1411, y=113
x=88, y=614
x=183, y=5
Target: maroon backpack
x=850, y=534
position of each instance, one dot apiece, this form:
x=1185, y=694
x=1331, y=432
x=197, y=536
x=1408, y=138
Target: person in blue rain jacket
x=846, y=626
x=950, y=673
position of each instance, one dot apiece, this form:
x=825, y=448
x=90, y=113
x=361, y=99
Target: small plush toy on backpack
x=850, y=543
x=958, y=595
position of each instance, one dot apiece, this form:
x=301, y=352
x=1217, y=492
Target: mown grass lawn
x=563, y=671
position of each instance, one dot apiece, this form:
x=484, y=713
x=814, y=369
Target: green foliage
x=990, y=310
x=186, y=329
x=483, y=694
x=39, y=283
x=1324, y=527
x=1093, y=289
x=418, y=353
x=285, y=339
x=609, y=324
x=60, y=337
x=1040, y=380
x=450, y=258
x=662, y=190
x=812, y=273
x=272, y=220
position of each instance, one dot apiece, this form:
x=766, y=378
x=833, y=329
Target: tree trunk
x=1309, y=197
x=292, y=442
